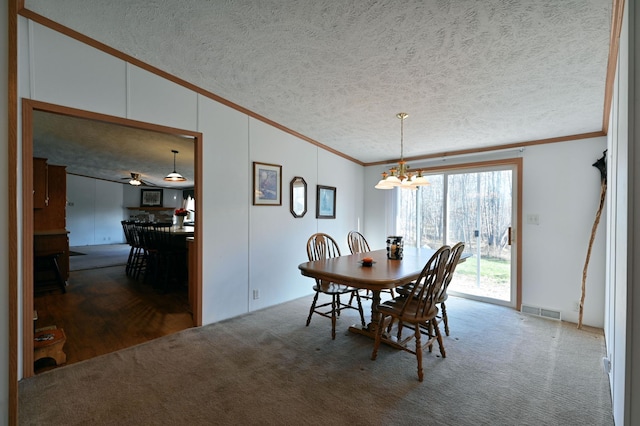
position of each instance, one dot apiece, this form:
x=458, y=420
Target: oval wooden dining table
x=383, y=274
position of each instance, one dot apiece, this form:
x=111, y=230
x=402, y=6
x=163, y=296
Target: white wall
x=94, y=211
x=132, y=197
x=563, y=188
x=245, y=247
x=617, y=245
x=622, y=328
x=553, y=252
x=632, y=372
x=96, y=207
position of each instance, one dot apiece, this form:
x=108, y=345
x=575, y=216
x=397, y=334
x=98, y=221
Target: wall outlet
x=576, y=306
x=533, y=219
x=256, y=294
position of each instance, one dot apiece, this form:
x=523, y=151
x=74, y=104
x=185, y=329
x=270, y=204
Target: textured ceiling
x=111, y=152
x=469, y=73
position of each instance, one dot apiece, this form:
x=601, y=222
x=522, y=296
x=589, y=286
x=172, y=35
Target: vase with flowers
x=180, y=214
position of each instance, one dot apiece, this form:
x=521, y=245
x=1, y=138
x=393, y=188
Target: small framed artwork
x=325, y=202
x=267, y=184
x=151, y=198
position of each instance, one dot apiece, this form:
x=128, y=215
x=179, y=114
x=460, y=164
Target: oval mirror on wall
x=298, y=195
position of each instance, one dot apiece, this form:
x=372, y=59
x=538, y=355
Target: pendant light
x=400, y=175
x=174, y=176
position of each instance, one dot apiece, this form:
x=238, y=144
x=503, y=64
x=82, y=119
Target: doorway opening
x=30, y=109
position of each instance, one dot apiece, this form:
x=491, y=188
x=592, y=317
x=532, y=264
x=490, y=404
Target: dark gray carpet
x=267, y=368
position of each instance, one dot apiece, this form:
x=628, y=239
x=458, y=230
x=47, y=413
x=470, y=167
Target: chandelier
x=400, y=176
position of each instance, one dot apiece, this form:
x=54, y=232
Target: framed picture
x=267, y=184
x=151, y=198
x=325, y=202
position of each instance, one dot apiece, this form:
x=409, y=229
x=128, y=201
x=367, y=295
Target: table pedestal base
x=388, y=338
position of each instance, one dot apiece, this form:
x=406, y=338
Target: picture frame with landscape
x=325, y=202
x=151, y=198
x=267, y=184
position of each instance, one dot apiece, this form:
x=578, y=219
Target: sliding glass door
x=471, y=205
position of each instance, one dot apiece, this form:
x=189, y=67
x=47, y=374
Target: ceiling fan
x=136, y=181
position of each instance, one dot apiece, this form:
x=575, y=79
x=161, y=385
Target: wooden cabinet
x=40, y=183
x=49, y=213
x=53, y=214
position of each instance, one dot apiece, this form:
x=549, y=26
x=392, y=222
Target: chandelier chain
x=401, y=175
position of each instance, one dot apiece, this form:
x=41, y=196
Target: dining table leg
x=375, y=314
x=370, y=329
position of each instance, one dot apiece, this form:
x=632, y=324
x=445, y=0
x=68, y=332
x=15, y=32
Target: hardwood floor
x=103, y=311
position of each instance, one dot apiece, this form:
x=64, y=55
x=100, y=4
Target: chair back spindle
x=322, y=246
x=454, y=259
x=427, y=289
x=357, y=242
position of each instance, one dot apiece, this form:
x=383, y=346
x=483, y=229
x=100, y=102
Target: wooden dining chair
x=358, y=244
x=454, y=259
x=127, y=230
x=323, y=246
x=452, y=263
x=134, y=260
x=416, y=311
x=141, y=265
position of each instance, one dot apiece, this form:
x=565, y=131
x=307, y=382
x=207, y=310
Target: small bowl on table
x=367, y=261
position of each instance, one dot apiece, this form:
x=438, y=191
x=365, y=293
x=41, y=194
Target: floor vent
x=541, y=312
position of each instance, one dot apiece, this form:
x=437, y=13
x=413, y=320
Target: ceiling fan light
x=135, y=182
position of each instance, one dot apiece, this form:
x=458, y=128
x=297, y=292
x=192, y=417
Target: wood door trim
x=28, y=107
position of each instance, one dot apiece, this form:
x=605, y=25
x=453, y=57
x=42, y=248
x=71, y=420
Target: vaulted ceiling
x=470, y=74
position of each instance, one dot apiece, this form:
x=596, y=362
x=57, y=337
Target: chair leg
x=129, y=266
x=444, y=318
x=439, y=337
x=390, y=326
x=336, y=297
x=313, y=306
x=142, y=262
x=366, y=296
x=430, y=332
x=376, y=343
x=364, y=324
x=399, y=335
x=419, y=352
